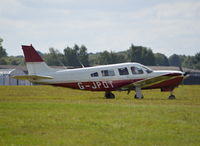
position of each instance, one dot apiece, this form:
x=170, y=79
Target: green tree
x=174, y=60
x=148, y=57
x=2, y=50
x=189, y=62
x=71, y=57
x=54, y=57
x=15, y=60
x=3, y=61
x=141, y=55
x=93, y=58
x=192, y=61
x=197, y=61
x=106, y=57
x=83, y=56
x=135, y=54
x=76, y=56
x=197, y=57
x=161, y=59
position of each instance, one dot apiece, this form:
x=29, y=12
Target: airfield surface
x=44, y=115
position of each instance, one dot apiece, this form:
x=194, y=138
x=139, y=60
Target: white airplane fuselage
x=93, y=78
x=123, y=76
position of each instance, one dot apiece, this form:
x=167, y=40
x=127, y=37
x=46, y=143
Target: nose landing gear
x=171, y=96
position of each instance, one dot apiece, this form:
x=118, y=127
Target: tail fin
x=35, y=64
x=31, y=54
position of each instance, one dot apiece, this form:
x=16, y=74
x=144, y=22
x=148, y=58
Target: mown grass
x=44, y=115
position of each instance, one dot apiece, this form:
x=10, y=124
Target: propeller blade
x=180, y=68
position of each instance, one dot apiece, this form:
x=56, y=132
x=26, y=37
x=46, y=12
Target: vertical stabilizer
x=35, y=64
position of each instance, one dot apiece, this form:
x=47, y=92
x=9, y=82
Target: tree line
x=78, y=56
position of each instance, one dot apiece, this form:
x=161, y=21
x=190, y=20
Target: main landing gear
x=171, y=96
x=138, y=94
x=109, y=95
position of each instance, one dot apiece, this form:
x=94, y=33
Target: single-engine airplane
x=107, y=78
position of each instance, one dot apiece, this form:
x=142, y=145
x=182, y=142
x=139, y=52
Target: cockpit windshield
x=148, y=70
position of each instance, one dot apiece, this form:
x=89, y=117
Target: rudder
x=35, y=64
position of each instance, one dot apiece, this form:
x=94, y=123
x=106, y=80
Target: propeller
x=186, y=74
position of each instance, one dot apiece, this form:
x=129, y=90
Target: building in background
x=6, y=77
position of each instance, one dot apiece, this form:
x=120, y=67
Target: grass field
x=43, y=115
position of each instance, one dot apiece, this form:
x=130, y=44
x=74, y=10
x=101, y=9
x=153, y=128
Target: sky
x=165, y=26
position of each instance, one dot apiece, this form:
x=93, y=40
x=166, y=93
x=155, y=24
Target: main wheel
x=172, y=97
x=139, y=97
x=109, y=95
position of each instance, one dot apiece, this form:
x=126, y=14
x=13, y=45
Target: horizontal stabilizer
x=31, y=77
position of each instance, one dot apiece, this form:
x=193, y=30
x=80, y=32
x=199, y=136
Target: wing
x=32, y=77
x=150, y=81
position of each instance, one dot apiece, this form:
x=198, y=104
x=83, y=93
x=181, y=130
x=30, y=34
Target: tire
x=138, y=97
x=112, y=96
x=172, y=97
x=109, y=95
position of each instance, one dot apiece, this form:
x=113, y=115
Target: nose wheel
x=172, y=96
x=109, y=95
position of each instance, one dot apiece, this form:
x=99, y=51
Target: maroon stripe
x=168, y=84
x=173, y=74
x=98, y=85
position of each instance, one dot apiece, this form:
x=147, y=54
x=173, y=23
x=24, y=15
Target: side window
x=123, y=71
x=136, y=70
x=95, y=74
x=108, y=73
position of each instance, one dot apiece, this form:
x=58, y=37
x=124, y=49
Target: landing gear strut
x=109, y=95
x=171, y=96
x=138, y=94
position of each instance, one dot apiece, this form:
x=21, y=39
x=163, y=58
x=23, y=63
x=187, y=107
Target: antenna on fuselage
x=81, y=63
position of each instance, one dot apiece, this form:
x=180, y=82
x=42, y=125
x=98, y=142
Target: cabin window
x=95, y=74
x=136, y=70
x=108, y=72
x=123, y=71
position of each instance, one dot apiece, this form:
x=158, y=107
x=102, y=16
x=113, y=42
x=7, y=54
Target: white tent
x=6, y=77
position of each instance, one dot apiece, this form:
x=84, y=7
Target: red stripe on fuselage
x=98, y=85
x=117, y=84
x=172, y=83
x=173, y=74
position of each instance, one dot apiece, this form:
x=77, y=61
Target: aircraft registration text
x=95, y=85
